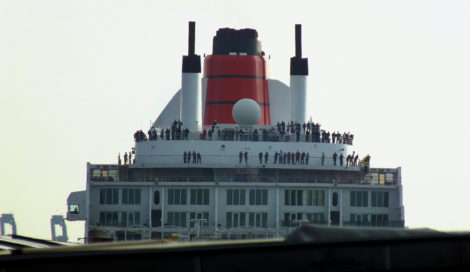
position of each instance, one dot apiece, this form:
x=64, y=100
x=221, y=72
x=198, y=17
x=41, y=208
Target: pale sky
x=78, y=78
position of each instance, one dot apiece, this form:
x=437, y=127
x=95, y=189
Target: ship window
x=229, y=197
x=130, y=218
x=131, y=196
x=258, y=197
x=198, y=215
x=389, y=178
x=259, y=220
x=156, y=197
x=293, y=219
x=235, y=220
x=379, y=199
x=316, y=218
x=109, y=196
x=380, y=220
x=199, y=197
x=293, y=197
x=382, y=179
x=229, y=220
x=242, y=219
x=113, y=175
x=108, y=218
x=104, y=175
x=358, y=199
x=374, y=178
x=95, y=174
x=73, y=209
x=335, y=199
x=236, y=196
x=176, y=219
x=176, y=196
x=358, y=219
x=315, y=197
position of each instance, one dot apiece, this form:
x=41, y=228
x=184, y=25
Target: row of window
x=368, y=219
x=361, y=199
x=382, y=178
x=313, y=218
x=197, y=196
x=245, y=219
x=179, y=219
x=123, y=219
x=236, y=219
x=128, y=196
x=312, y=197
x=131, y=196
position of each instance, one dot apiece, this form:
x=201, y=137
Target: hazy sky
x=78, y=78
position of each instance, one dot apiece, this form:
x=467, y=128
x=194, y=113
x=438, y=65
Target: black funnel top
x=298, y=65
x=191, y=62
x=228, y=40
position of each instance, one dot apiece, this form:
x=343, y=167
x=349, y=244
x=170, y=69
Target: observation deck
x=228, y=151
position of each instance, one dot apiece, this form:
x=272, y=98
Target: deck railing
x=250, y=178
x=230, y=135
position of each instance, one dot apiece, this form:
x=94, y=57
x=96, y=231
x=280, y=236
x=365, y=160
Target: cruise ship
x=234, y=156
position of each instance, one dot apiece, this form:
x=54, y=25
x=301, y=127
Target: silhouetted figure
x=335, y=156
x=240, y=155
x=246, y=156
x=213, y=125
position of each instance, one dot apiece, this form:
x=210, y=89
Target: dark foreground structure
x=310, y=248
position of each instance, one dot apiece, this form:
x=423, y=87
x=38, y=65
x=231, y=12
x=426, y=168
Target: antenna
x=298, y=41
x=191, y=38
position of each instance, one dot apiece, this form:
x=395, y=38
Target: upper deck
x=123, y=173
x=231, y=150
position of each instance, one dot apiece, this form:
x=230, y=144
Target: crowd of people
x=290, y=131
x=139, y=136
x=301, y=158
x=127, y=158
x=196, y=157
x=351, y=159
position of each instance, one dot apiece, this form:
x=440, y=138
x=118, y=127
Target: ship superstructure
x=233, y=156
